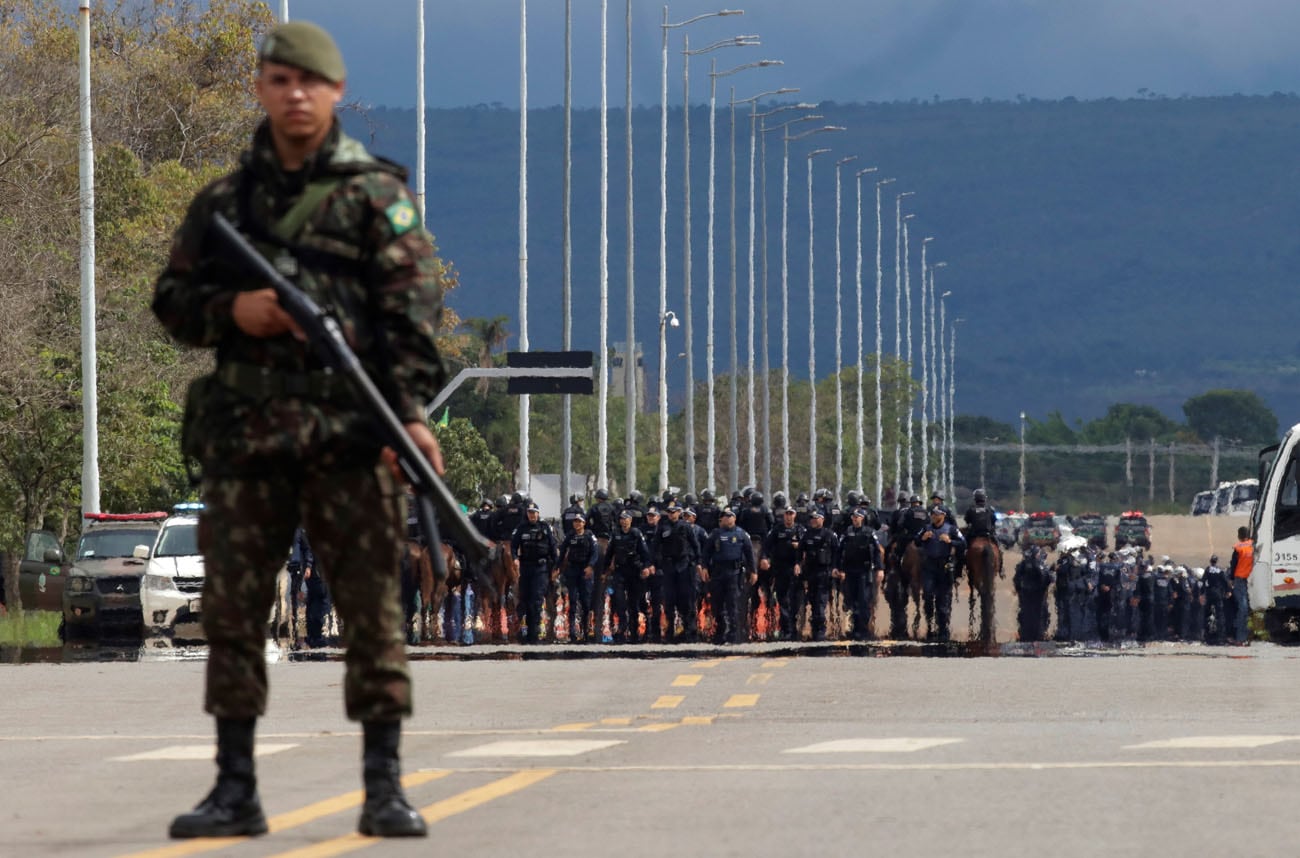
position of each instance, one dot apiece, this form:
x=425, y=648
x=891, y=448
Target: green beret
x=306, y=46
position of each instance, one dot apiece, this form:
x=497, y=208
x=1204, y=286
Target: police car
x=170, y=592
x=119, y=557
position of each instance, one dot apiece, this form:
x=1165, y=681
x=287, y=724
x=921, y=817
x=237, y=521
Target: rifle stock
x=433, y=499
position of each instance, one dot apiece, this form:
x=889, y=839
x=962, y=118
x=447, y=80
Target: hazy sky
x=844, y=50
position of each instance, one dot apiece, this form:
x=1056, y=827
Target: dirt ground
x=1189, y=540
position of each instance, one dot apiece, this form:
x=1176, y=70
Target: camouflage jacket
x=361, y=254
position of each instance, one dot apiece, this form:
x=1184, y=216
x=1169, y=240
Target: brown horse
x=495, y=584
x=903, y=581
x=983, y=562
x=424, y=592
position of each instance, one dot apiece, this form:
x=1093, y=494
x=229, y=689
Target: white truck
x=1275, y=526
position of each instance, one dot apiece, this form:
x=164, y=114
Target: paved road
x=1162, y=750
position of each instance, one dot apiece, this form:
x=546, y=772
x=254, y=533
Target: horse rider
x=939, y=541
x=780, y=559
x=728, y=554
x=533, y=543
x=579, y=560
x=627, y=562
x=861, y=564
x=482, y=519
x=981, y=521
x=817, y=555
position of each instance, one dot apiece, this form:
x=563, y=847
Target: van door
x=41, y=572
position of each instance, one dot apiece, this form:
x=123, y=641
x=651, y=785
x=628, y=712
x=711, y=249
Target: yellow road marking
x=573, y=728
x=758, y=679
x=616, y=722
x=776, y=662
x=697, y=720
x=713, y=662
x=432, y=814
x=660, y=727
x=284, y=821
x=737, y=701
x=667, y=701
x=688, y=680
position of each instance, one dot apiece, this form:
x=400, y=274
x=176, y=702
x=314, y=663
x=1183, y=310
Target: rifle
x=432, y=497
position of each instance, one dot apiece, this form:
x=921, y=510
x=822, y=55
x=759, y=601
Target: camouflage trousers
x=354, y=520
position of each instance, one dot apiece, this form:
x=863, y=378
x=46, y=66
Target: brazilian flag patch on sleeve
x=403, y=216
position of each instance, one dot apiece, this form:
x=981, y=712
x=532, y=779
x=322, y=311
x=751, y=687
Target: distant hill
x=1107, y=251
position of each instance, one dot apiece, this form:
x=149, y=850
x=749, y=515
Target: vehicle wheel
x=1283, y=627
x=63, y=630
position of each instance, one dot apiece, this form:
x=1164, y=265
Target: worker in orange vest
x=1243, y=561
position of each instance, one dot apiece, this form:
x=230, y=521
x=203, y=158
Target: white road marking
x=902, y=745
x=194, y=752
x=1203, y=742
x=538, y=748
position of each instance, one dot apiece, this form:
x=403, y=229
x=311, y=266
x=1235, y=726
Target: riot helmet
x=980, y=496
x=706, y=496
x=755, y=498
x=602, y=495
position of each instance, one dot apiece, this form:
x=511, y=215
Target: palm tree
x=488, y=336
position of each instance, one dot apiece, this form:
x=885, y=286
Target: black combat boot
x=386, y=812
x=232, y=808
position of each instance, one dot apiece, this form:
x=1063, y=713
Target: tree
x=1126, y=421
x=1239, y=415
x=473, y=472
x=487, y=336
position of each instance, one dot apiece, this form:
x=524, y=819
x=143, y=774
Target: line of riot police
x=1119, y=596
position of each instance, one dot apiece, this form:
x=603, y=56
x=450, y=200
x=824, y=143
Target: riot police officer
x=635, y=504
x=780, y=558
x=861, y=563
x=1031, y=580
x=534, y=545
x=939, y=540
x=1108, y=595
x=680, y=554
x=483, y=519
x=1215, y=587
x=627, y=562
x=571, y=512
x=756, y=520
x=707, y=514
x=655, y=586
x=802, y=509
x=602, y=521
x=843, y=520
x=579, y=559
x=817, y=555
x=728, y=555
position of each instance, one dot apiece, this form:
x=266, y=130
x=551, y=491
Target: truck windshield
x=113, y=543
x=179, y=540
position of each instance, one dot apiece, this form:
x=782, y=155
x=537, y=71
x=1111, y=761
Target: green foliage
x=1231, y=414
x=30, y=628
x=473, y=472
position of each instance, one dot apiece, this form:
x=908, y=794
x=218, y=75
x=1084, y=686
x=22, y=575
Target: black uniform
x=679, y=553
x=1108, y=597
x=534, y=545
x=577, y=553
x=571, y=512
x=1031, y=581
x=628, y=555
x=1216, y=587
x=728, y=554
x=859, y=558
x=817, y=555
x=781, y=550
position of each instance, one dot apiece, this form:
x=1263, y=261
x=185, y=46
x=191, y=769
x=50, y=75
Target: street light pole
x=749, y=372
x=880, y=355
x=861, y=359
x=952, y=398
x=907, y=293
x=839, y=352
x=812, y=331
x=733, y=462
x=669, y=318
x=566, y=259
x=934, y=366
x=524, y=477
x=926, y=390
x=900, y=484
x=629, y=353
x=1022, y=460
x=939, y=410
x=663, y=213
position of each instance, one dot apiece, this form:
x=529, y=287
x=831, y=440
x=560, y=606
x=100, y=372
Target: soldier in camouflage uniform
x=283, y=441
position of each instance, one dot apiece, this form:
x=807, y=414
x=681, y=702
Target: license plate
x=194, y=605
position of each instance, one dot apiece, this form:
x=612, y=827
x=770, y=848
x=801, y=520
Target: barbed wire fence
x=1163, y=476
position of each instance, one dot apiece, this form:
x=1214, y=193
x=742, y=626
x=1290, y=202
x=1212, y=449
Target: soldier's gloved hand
x=258, y=313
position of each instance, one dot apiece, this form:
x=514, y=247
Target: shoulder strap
x=288, y=227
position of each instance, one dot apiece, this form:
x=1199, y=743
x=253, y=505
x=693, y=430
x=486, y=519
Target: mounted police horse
x=903, y=581
x=983, y=563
